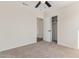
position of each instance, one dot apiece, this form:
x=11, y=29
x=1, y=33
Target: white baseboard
x=19, y=45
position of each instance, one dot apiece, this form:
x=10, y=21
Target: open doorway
x=39, y=29
x=54, y=29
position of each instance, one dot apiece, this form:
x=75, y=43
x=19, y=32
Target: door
x=54, y=29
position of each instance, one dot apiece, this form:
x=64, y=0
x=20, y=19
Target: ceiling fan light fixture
x=42, y=1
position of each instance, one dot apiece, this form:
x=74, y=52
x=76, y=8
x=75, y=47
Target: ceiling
x=55, y=4
x=42, y=6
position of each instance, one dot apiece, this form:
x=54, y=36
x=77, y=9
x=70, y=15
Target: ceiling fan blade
x=47, y=3
x=38, y=4
x=25, y=4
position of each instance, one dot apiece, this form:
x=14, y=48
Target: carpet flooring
x=41, y=49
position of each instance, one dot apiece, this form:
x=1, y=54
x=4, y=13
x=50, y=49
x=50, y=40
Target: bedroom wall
x=69, y=26
x=17, y=25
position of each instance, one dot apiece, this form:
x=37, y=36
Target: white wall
x=17, y=25
x=68, y=25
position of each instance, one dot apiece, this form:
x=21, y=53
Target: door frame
x=42, y=28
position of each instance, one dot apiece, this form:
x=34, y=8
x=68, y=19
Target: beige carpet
x=40, y=50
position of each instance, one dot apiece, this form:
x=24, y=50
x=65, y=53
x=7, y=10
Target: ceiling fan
x=46, y=2
x=38, y=4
